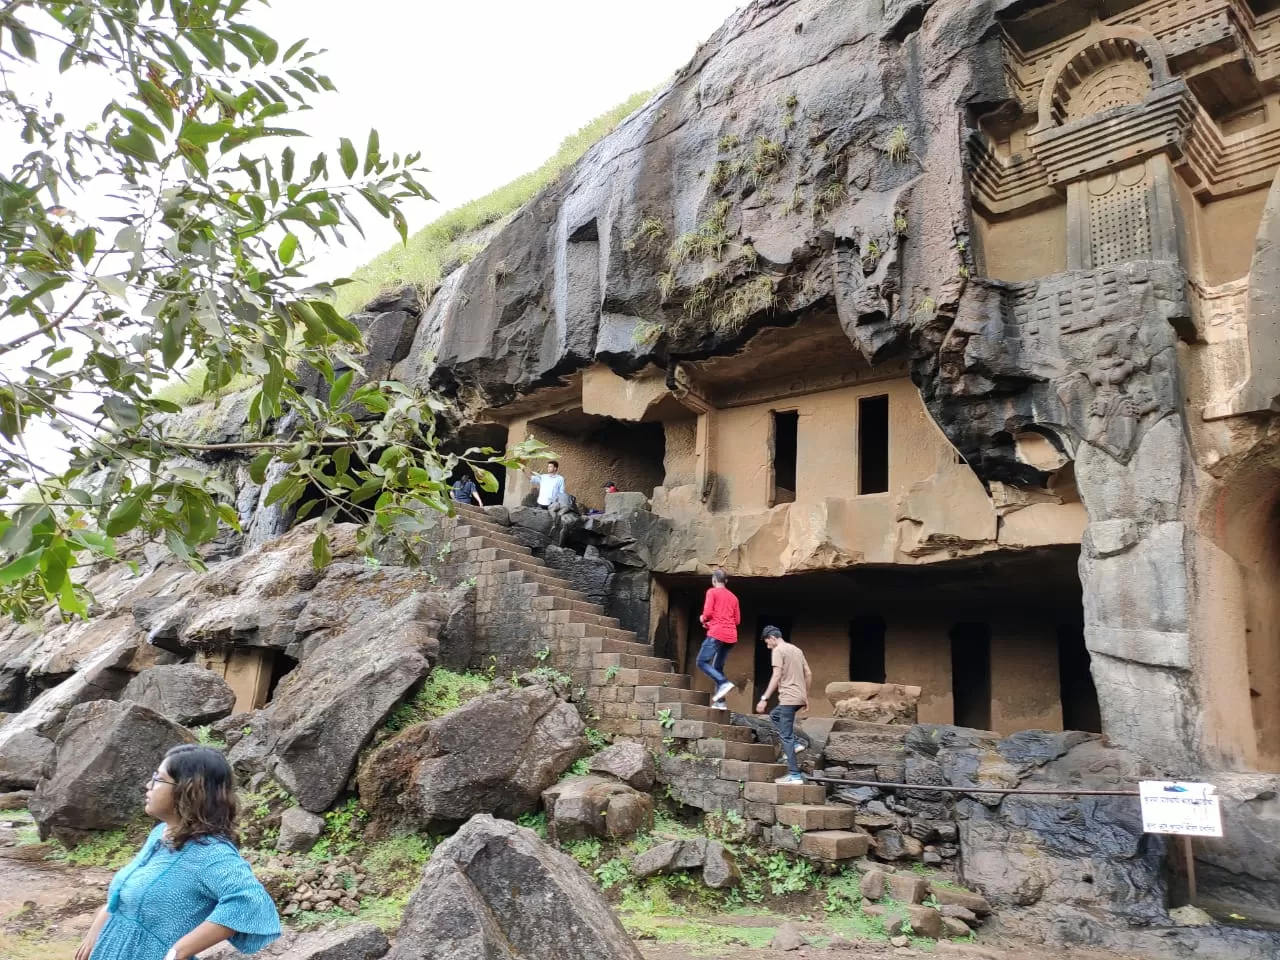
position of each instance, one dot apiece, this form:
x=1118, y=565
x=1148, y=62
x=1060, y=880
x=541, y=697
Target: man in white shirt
x=551, y=492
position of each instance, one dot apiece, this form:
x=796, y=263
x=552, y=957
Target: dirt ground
x=46, y=907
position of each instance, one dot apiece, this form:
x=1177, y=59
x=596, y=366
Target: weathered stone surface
x=788, y=938
x=325, y=711
x=908, y=887
x=955, y=929
x=105, y=753
x=186, y=693
x=1239, y=872
x=858, y=743
x=24, y=759
x=590, y=806
x=629, y=761
x=15, y=800
x=299, y=830
x=925, y=921
x=874, y=702
x=494, y=754
x=872, y=884
x=718, y=866
x=361, y=941
x=494, y=891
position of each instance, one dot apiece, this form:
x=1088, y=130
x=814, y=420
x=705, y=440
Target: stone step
x=635, y=649
x=466, y=531
x=735, y=750
x=809, y=816
x=529, y=564
x=559, y=603
x=635, y=678
x=495, y=551
x=777, y=793
x=702, y=730
x=565, y=616
x=833, y=845
x=528, y=587
x=694, y=711
x=583, y=629
x=543, y=575
x=745, y=771
x=660, y=694
x=603, y=661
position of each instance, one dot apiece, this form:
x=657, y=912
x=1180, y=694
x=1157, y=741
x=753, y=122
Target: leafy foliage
x=443, y=691
x=193, y=264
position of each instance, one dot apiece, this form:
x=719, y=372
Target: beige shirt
x=793, y=686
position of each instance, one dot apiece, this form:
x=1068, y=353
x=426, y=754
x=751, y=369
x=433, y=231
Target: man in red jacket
x=720, y=618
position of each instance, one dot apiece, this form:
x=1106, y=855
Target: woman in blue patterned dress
x=188, y=888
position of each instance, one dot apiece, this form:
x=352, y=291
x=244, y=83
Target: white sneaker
x=722, y=691
x=790, y=778
x=719, y=705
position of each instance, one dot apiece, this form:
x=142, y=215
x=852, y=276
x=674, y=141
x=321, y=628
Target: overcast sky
x=485, y=90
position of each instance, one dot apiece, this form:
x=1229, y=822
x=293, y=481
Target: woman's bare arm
x=91, y=938
x=201, y=939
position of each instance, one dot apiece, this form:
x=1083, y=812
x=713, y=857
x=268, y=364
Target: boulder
x=186, y=693
x=494, y=754
x=299, y=830
x=788, y=938
x=718, y=866
x=105, y=754
x=872, y=884
x=15, y=800
x=324, y=712
x=954, y=928
x=874, y=702
x=24, y=758
x=494, y=891
x=590, y=806
x=361, y=941
x=908, y=888
x=628, y=760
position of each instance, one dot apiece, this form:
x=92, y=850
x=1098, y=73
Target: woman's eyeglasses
x=156, y=778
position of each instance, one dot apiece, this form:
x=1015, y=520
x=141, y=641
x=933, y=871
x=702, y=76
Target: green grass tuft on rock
x=447, y=238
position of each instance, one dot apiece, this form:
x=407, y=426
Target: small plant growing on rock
x=542, y=654
x=667, y=284
x=647, y=333
x=586, y=852
x=610, y=673
x=537, y=822
x=797, y=831
x=791, y=101
x=927, y=308
x=665, y=718
x=736, y=306
x=830, y=197
x=719, y=174
x=612, y=872
x=750, y=259
x=649, y=234
x=728, y=142
x=900, y=224
x=898, y=146
x=767, y=157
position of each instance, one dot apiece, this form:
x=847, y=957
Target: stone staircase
x=631, y=692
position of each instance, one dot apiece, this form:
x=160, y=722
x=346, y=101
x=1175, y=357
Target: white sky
x=485, y=90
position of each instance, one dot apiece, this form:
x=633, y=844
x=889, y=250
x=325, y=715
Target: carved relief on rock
x=1112, y=401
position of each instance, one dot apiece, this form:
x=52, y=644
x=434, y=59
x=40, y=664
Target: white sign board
x=1183, y=808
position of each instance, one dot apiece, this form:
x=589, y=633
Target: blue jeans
x=711, y=658
x=783, y=718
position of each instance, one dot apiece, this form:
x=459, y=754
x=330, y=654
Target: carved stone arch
x=1109, y=68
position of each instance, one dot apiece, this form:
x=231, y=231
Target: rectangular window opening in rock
x=784, y=434
x=866, y=649
x=971, y=674
x=873, y=444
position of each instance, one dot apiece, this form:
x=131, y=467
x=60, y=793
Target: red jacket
x=720, y=615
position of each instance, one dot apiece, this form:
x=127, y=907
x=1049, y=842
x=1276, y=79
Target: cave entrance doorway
x=984, y=638
x=594, y=449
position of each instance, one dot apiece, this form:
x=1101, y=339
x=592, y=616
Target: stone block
x=955, y=929
x=726, y=750
x=765, y=813
x=784, y=792
x=746, y=770
x=815, y=816
x=834, y=844
x=925, y=922
x=974, y=902
x=873, y=884
x=908, y=888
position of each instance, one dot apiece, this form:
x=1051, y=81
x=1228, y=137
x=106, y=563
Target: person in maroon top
x=720, y=618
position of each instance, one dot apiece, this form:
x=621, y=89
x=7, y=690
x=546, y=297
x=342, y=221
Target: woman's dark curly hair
x=204, y=794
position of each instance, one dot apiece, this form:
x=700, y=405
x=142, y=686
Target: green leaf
x=121, y=411
x=258, y=466
x=22, y=41
x=69, y=601
x=21, y=567
x=320, y=555
x=135, y=143
x=124, y=516
x=340, y=388
x=288, y=247
x=371, y=153
x=288, y=54
x=86, y=241
x=286, y=163
x=488, y=482
x=347, y=154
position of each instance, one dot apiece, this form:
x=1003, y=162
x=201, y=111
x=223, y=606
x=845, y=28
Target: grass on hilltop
x=420, y=261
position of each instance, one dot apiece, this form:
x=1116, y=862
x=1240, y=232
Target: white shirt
x=550, y=489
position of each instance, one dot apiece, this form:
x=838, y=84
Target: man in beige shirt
x=791, y=679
